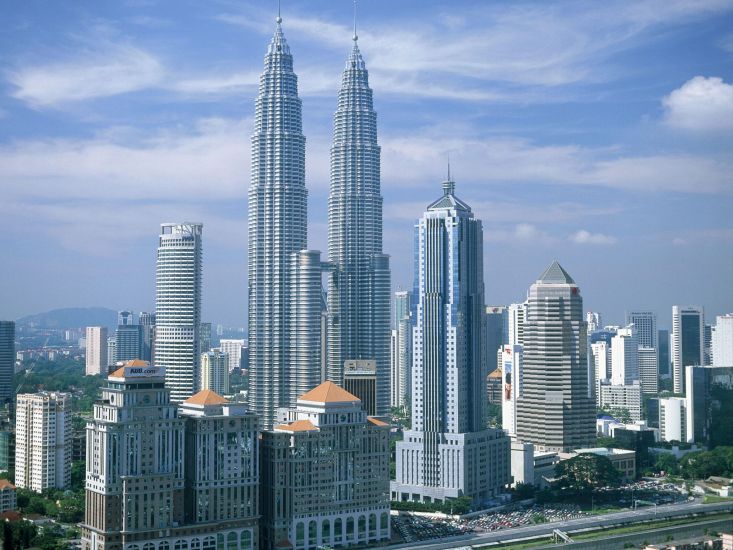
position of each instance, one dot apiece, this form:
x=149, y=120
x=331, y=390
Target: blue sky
x=599, y=134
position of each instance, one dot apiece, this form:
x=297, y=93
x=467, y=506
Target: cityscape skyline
x=573, y=186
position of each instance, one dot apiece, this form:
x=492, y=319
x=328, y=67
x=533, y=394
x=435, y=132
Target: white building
x=325, y=474
x=649, y=370
x=723, y=341
x=517, y=314
x=511, y=368
x=623, y=396
x=214, y=374
x=601, y=353
x=178, y=307
x=593, y=320
x=402, y=360
x=672, y=419
x=449, y=452
x=624, y=356
x=96, y=350
x=688, y=342
x=233, y=348
x=43, y=441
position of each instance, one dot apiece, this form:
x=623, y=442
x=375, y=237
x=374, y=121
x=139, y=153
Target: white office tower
x=556, y=410
x=593, y=320
x=645, y=323
x=672, y=419
x=277, y=226
x=688, y=342
x=43, y=441
x=449, y=452
x=601, y=353
x=96, y=352
x=402, y=360
x=233, y=348
x=517, y=314
x=511, y=373
x=723, y=341
x=178, y=307
x=304, y=371
x=214, y=374
x=624, y=356
x=359, y=286
x=111, y=352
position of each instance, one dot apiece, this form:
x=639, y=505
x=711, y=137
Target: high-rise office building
x=625, y=356
x=708, y=405
x=517, y=315
x=402, y=349
x=43, y=441
x=205, y=337
x=593, y=321
x=97, y=358
x=304, y=369
x=556, y=410
x=360, y=379
x=233, y=347
x=277, y=227
x=665, y=360
x=111, y=353
x=622, y=397
x=645, y=324
x=128, y=337
x=688, y=342
x=178, y=307
x=601, y=357
x=649, y=370
x=325, y=474
x=511, y=376
x=496, y=334
x=359, y=285
x=147, y=324
x=214, y=373
x=722, y=341
x=7, y=360
x=708, y=345
x=449, y=452
x=158, y=477
x=672, y=419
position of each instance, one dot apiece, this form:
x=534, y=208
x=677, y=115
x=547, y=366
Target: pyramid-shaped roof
x=298, y=426
x=328, y=392
x=555, y=274
x=206, y=397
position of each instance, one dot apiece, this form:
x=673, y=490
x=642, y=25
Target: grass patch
x=714, y=499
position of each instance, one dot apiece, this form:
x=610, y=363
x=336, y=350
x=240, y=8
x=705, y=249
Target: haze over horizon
x=598, y=137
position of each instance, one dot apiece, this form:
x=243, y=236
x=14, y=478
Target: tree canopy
x=586, y=472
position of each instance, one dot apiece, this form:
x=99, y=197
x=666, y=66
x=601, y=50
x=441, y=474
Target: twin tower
x=295, y=340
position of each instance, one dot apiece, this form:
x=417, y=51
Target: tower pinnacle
x=449, y=186
x=278, y=19
x=356, y=36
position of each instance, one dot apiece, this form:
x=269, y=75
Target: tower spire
x=449, y=186
x=356, y=36
x=279, y=18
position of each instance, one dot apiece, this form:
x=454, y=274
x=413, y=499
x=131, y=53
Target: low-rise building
x=624, y=460
x=8, y=500
x=622, y=397
x=325, y=474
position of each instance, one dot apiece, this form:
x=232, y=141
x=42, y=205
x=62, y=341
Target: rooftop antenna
x=279, y=18
x=355, y=37
x=449, y=185
x=448, y=166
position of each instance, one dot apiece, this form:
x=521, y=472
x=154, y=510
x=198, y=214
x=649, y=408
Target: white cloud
x=586, y=237
x=114, y=70
x=701, y=104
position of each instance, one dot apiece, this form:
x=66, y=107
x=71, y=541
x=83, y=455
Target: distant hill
x=72, y=317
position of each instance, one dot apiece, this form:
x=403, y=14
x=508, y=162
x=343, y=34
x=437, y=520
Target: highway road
x=545, y=529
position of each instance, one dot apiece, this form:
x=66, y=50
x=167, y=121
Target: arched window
x=337, y=528
x=164, y=545
x=148, y=546
x=385, y=521
x=300, y=534
x=326, y=531
x=362, y=526
x=209, y=543
x=220, y=541
x=232, y=541
x=246, y=540
x=350, y=528
x=195, y=544
x=372, y=525
x=312, y=532
x=181, y=545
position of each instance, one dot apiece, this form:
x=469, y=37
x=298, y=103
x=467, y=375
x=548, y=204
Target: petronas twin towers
x=286, y=332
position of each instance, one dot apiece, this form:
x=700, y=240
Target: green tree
x=667, y=463
x=586, y=472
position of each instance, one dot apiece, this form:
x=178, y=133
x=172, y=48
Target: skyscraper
x=233, y=348
x=645, y=323
x=128, y=337
x=7, y=359
x=214, y=374
x=624, y=356
x=147, y=324
x=688, y=342
x=722, y=337
x=43, y=441
x=664, y=358
x=496, y=330
x=359, y=286
x=277, y=226
x=556, y=409
x=96, y=352
x=178, y=307
x=402, y=360
x=449, y=452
